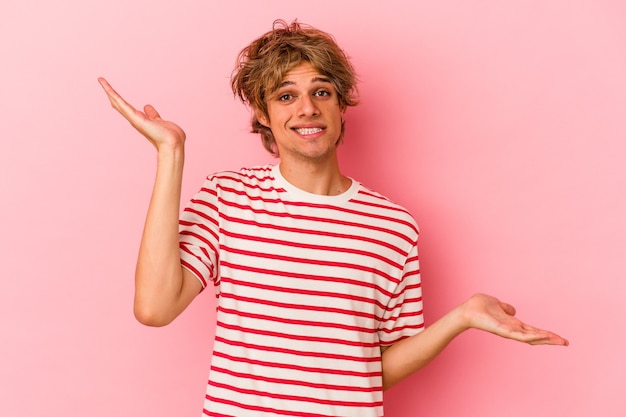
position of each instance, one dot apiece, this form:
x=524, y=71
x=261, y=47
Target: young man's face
x=304, y=116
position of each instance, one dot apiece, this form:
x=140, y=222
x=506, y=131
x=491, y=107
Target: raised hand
x=487, y=313
x=161, y=133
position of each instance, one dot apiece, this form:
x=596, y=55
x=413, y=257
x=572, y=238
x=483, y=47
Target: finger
x=530, y=337
x=104, y=83
x=117, y=101
x=110, y=92
x=536, y=336
x=151, y=112
x=532, y=329
x=550, y=340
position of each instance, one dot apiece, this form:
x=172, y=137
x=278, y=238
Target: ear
x=261, y=118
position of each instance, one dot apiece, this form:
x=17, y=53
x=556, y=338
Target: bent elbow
x=150, y=317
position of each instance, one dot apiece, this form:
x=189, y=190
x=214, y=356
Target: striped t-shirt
x=309, y=288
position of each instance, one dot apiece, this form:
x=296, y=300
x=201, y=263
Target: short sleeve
x=404, y=315
x=198, y=234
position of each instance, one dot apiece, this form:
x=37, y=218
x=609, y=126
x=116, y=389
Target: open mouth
x=308, y=130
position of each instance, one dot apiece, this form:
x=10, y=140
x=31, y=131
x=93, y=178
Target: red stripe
x=235, y=191
x=316, y=278
x=296, y=397
x=184, y=247
x=351, y=211
x=294, y=367
x=332, y=356
x=200, y=238
x=297, y=306
x=311, y=246
x=313, y=232
x=300, y=291
x=202, y=226
x=387, y=203
x=208, y=191
x=202, y=214
x=279, y=335
x=350, y=266
x=411, y=273
x=283, y=381
x=410, y=314
x=397, y=329
x=323, y=294
x=318, y=219
x=320, y=308
x=237, y=175
x=255, y=408
x=195, y=272
x=324, y=206
x=273, y=319
x=403, y=302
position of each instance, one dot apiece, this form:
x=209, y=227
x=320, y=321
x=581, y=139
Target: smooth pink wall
x=500, y=125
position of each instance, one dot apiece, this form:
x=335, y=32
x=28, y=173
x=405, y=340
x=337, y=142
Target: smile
x=308, y=130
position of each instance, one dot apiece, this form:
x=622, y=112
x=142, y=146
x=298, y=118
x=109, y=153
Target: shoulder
x=381, y=206
x=257, y=180
x=254, y=174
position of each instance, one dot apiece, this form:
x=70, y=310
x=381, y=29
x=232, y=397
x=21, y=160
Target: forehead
x=303, y=73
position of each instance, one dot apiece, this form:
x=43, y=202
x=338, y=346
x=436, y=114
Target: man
x=319, y=304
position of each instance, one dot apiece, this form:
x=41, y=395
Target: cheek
x=275, y=115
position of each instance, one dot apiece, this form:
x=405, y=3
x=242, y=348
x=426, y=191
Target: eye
x=285, y=97
x=322, y=93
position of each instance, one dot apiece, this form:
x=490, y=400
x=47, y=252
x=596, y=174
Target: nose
x=307, y=106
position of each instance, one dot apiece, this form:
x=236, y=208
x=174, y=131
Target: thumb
x=508, y=309
x=151, y=112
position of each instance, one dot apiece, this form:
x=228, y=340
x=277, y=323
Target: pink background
x=500, y=125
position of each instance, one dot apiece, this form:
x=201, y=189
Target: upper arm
x=404, y=314
x=166, y=309
x=191, y=287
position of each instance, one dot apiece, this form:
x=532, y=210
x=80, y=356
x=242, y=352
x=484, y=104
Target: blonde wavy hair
x=262, y=65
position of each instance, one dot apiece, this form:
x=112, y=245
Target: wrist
x=171, y=152
x=461, y=317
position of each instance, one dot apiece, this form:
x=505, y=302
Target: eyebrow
x=314, y=80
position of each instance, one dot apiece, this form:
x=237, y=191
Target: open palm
x=487, y=313
x=149, y=123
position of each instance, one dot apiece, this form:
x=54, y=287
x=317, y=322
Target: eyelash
x=325, y=93
x=319, y=93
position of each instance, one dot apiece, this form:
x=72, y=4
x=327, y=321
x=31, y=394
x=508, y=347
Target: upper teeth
x=308, y=130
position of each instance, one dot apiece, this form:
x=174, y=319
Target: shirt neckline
x=296, y=193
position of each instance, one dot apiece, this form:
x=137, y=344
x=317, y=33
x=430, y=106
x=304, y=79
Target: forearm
x=158, y=277
x=409, y=355
x=482, y=312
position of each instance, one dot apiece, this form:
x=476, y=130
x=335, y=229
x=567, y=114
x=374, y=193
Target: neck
x=315, y=178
